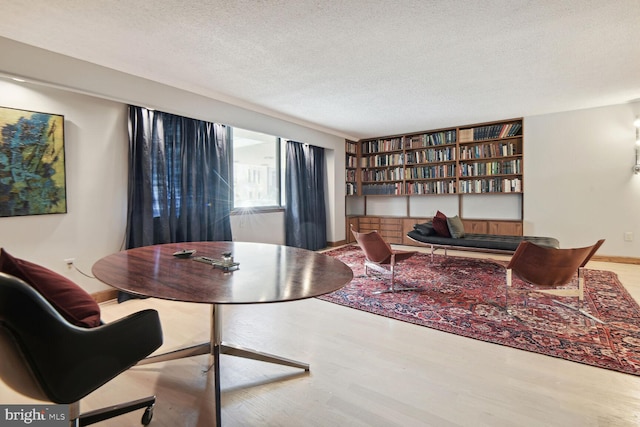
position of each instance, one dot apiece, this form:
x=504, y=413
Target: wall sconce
x=636, y=123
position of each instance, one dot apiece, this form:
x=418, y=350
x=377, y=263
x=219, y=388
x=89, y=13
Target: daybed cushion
x=485, y=241
x=70, y=300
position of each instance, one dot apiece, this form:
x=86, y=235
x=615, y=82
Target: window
x=256, y=170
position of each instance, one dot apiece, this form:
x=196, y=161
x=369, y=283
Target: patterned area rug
x=466, y=296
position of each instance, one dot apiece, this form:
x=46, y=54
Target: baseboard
x=104, y=296
x=618, y=259
x=336, y=244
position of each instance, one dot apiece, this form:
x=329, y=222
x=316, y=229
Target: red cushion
x=440, y=225
x=70, y=300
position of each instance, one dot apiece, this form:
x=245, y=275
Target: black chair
x=45, y=357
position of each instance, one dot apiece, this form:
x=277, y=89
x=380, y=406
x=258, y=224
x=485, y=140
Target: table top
x=267, y=273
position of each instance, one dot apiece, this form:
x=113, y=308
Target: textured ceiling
x=355, y=67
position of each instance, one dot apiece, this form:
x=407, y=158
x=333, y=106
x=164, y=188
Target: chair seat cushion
x=70, y=300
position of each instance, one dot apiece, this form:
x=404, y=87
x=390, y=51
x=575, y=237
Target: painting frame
x=33, y=177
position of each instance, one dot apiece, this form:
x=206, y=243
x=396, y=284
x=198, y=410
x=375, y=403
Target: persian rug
x=466, y=296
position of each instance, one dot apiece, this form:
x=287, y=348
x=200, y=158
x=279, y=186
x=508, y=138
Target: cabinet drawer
x=476, y=227
x=395, y=239
x=506, y=228
x=365, y=228
x=390, y=227
x=368, y=220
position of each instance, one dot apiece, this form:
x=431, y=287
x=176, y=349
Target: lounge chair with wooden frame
x=380, y=257
x=550, y=268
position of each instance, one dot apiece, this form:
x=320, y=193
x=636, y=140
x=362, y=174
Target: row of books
x=395, y=174
x=351, y=190
x=508, y=167
x=484, y=151
x=493, y=185
x=432, y=155
x=430, y=172
x=512, y=166
x=382, y=189
x=351, y=147
x=350, y=175
x=429, y=139
x=351, y=162
x=435, y=187
x=378, y=145
x=506, y=130
x=382, y=160
x=495, y=149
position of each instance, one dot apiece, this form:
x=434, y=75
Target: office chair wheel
x=147, y=416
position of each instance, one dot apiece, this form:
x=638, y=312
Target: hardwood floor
x=366, y=370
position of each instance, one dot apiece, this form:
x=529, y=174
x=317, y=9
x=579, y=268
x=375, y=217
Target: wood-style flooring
x=366, y=370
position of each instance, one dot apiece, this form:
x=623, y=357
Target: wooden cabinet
x=390, y=228
x=476, y=226
x=368, y=223
x=493, y=226
x=506, y=228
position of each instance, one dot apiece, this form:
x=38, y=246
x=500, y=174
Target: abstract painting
x=32, y=168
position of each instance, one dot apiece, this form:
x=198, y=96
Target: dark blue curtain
x=178, y=179
x=305, y=212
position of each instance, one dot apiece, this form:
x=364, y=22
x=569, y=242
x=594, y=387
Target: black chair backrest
x=66, y=362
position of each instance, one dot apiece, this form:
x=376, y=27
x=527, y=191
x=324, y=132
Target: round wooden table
x=266, y=273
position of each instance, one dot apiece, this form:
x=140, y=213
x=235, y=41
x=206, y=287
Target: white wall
x=264, y=228
x=578, y=179
x=96, y=175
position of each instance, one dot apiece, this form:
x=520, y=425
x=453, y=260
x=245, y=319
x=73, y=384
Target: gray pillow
x=425, y=229
x=456, y=227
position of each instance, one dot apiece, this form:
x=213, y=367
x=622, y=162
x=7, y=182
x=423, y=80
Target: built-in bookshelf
x=473, y=159
x=351, y=168
x=430, y=166
x=382, y=166
x=490, y=158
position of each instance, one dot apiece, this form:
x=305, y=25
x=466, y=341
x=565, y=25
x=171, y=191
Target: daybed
x=448, y=233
